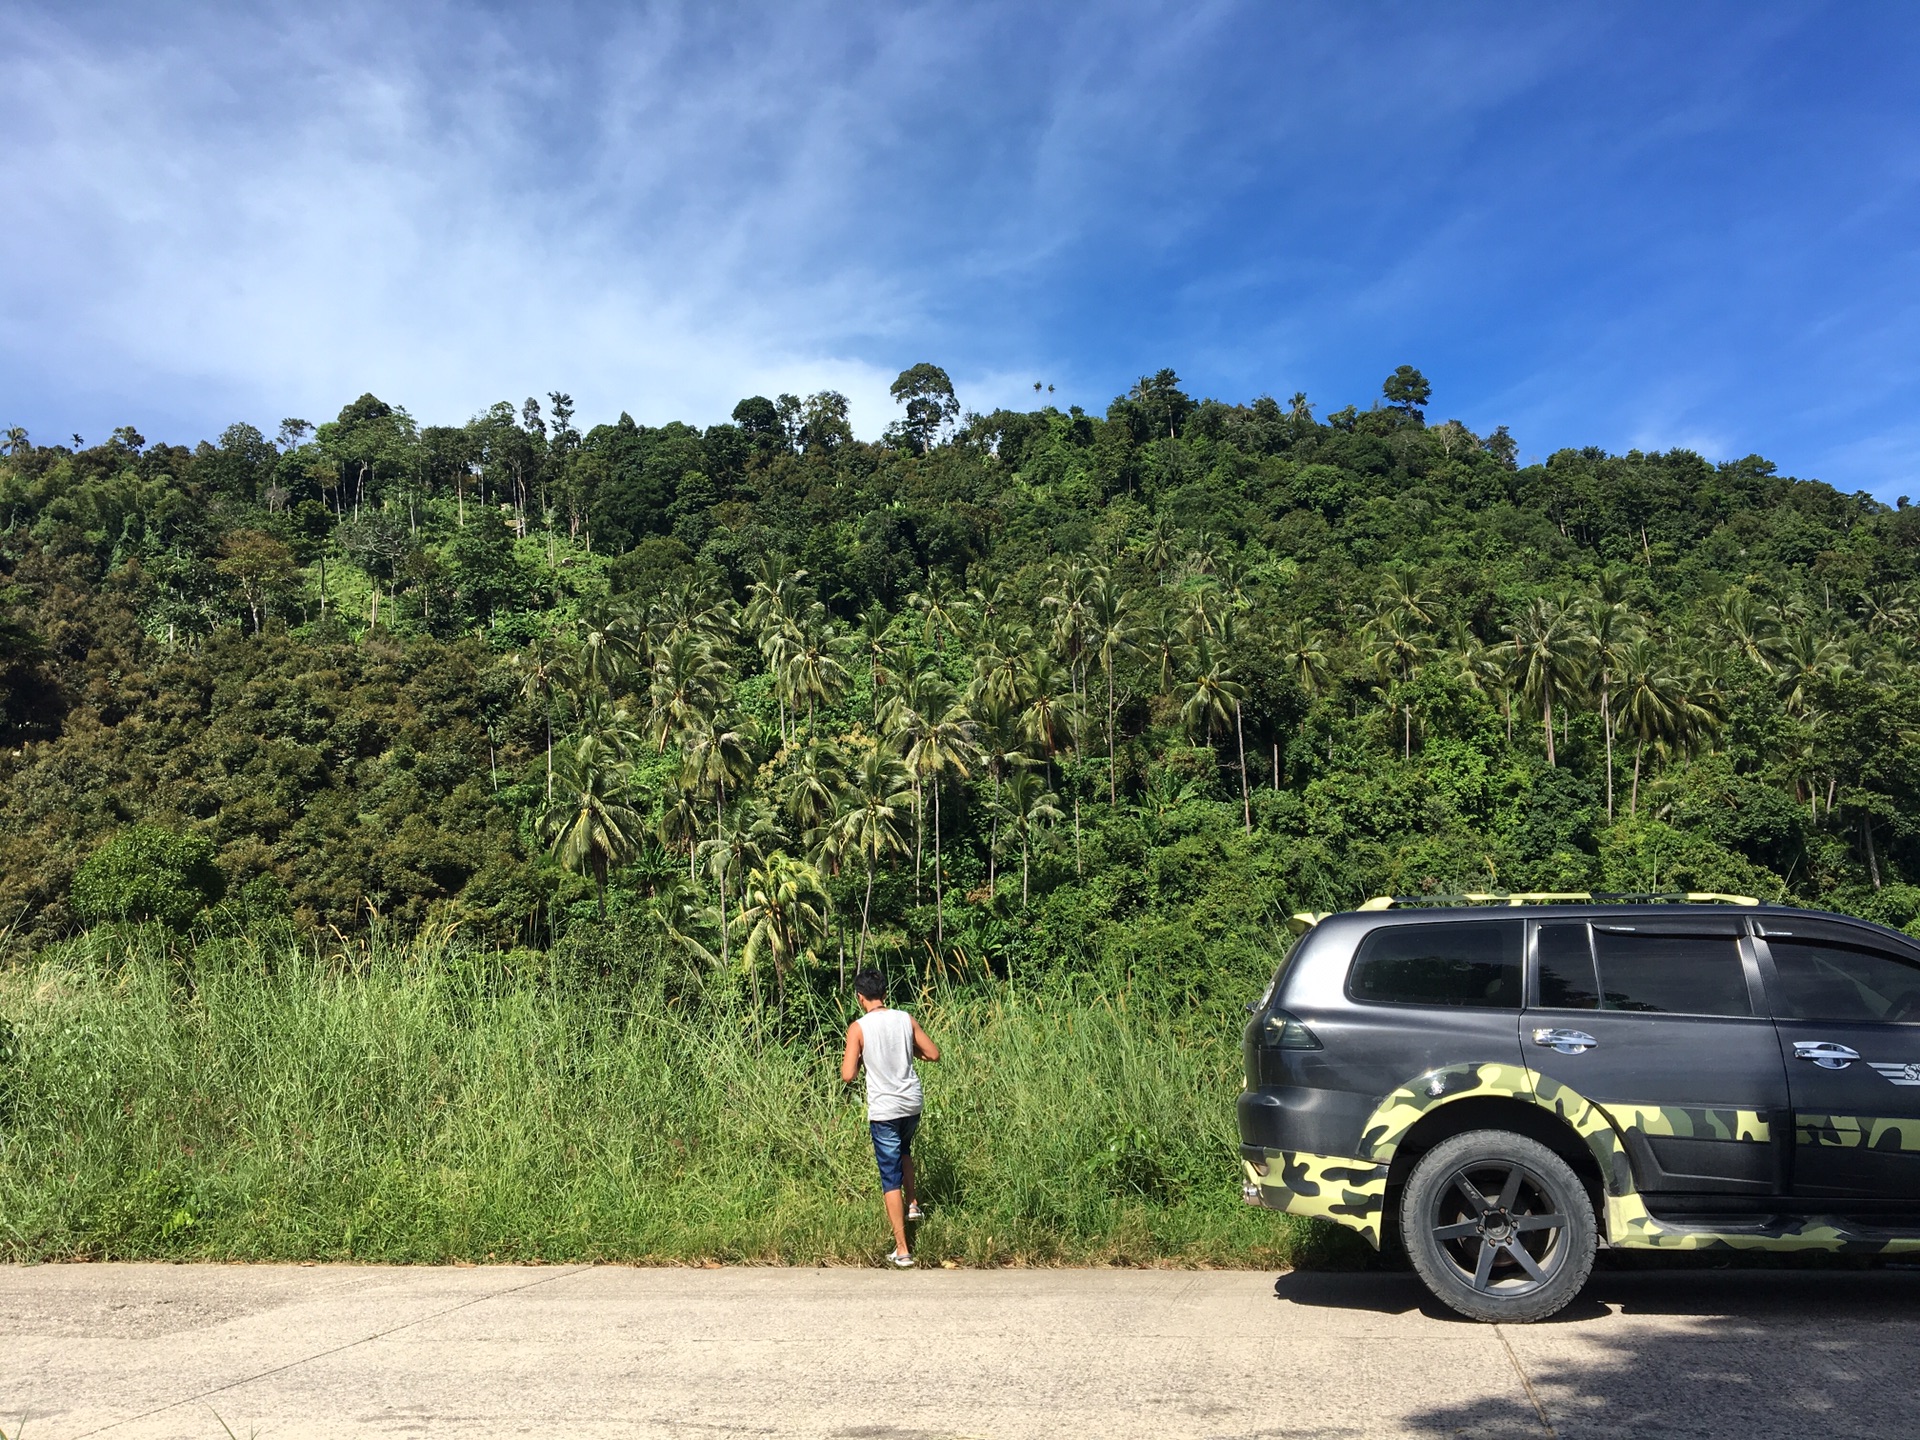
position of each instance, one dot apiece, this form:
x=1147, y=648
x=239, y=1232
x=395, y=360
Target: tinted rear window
x=1473, y=963
x=1671, y=974
x=1564, y=979
x=1825, y=980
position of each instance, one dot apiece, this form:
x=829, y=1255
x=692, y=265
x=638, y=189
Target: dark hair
x=870, y=984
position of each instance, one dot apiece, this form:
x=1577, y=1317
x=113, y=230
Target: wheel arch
x=1522, y=1116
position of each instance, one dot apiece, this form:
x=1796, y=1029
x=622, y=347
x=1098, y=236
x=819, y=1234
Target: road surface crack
x=332, y=1350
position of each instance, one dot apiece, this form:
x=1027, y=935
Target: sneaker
x=914, y=1212
x=899, y=1261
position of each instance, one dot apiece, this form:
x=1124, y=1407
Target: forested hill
x=1025, y=689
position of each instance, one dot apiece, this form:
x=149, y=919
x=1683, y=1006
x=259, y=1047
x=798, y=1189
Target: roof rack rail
x=1307, y=919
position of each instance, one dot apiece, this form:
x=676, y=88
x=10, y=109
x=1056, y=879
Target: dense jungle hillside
x=1021, y=692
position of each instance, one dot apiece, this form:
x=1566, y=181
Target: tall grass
x=258, y=1100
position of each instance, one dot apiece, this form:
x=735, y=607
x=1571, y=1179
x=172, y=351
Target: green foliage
x=147, y=873
x=434, y=1103
x=1032, y=694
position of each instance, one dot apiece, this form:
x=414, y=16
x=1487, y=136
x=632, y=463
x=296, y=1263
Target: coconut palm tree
x=712, y=757
x=996, y=722
x=1804, y=658
x=1110, y=617
x=812, y=782
x=1164, y=646
x=877, y=648
x=1610, y=628
x=783, y=911
x=1028, y=805
x=537, y=668
x=609, y=647
x=816, y=666
x=871, y=819
x=941, y=732
x=1653, y=699
x=591, y=825
x=1397, y=651
x=687, y=678
x=1738, y=620
x=1161, y=543
x=693, y=608
x=1046, y=717
x=1068, y=599
x=681, y=826
x=1487, y=669
x=772, y=596
x=1548, y=652
x=1213, y=694
x=941, y=608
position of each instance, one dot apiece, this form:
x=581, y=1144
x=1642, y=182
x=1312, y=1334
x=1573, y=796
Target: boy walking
x=887, y=1041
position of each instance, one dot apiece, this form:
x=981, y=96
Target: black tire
x=1498, y=1226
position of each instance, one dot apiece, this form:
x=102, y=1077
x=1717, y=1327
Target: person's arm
x=923, y=1046
x=850, y=1062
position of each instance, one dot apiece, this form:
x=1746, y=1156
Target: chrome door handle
x=1567, y=1042
x=1825, y=1053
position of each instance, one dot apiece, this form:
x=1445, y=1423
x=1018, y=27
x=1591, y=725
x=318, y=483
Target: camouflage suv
x=1505, y=1082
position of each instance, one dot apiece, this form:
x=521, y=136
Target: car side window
x=1563, y=969
x=1470, y=964
x=1671, y=974
x=1825, y=980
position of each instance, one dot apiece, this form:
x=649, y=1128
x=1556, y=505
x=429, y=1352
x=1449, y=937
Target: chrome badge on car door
x=1897, y=1072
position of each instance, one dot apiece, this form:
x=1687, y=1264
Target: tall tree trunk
x=866, y=909
x=1110, y=777
x=939, y=902
x=993, y=839
x=919, y=834
x=1633, y=805
x=720, y=838
x=1546, y=722
x=1606, y=724
x=1873, y=860
x=1246, y=800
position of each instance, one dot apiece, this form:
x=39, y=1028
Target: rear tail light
x=1280, y=1031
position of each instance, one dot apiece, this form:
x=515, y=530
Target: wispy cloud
x=1622, y=227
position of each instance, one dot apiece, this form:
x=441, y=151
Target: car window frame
x=1428, y=1007
x=1858, y=937
x=1675, y=927
x=1531, y=958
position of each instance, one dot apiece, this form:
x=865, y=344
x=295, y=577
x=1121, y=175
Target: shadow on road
x=1684, y=1350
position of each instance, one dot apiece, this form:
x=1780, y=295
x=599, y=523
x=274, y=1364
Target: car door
x=1655, y=1021
x=1846, y=1003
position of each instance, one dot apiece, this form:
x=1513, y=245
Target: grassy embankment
x=259, y=1101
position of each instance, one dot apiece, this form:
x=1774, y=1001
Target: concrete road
x=159, y=1350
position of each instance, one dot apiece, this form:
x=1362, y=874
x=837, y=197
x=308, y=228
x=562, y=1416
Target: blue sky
x=1623, y=225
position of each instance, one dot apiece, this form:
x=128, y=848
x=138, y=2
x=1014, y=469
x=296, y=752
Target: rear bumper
x=1339, y=1188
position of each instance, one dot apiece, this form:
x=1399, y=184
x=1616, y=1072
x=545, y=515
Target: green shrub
x=147, y=873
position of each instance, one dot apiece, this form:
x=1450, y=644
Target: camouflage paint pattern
x=1407, y=1106
x=1691, y=1122
x=1328, y=1187
x=1352, y=1190
x=1856, y=1132
x=1630, y=1227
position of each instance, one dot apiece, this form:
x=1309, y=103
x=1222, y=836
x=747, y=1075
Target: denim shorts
x=892, y=1147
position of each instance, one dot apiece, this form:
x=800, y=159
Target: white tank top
x=886, y=1050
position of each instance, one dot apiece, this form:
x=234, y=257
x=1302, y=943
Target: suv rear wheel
x=1498, y=1226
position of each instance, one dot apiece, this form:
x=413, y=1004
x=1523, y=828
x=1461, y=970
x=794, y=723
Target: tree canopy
x=1009, y=691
